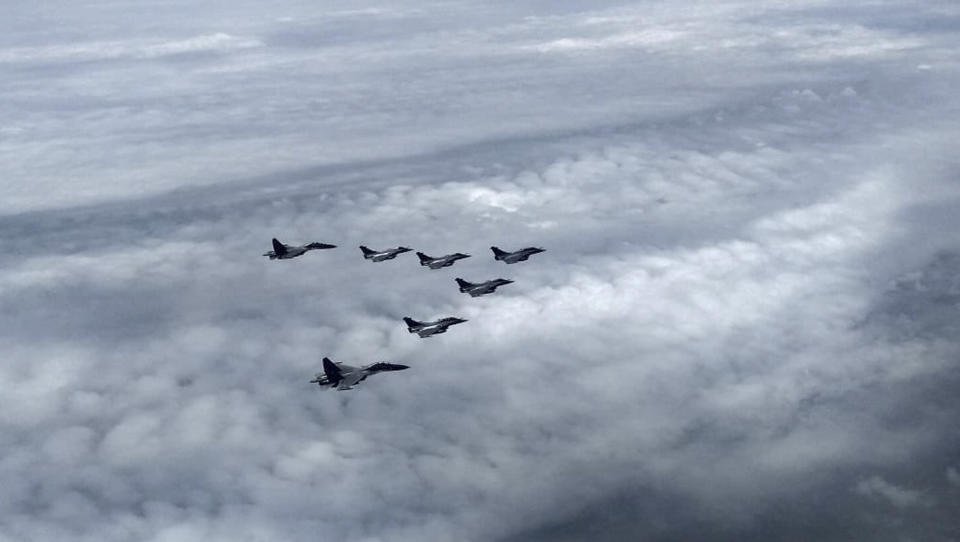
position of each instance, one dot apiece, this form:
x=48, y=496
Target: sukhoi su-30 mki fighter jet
x=442, y=261
x=381, y=255
x=514, y=257
x=483, y=288
x=285, y=252
x=344, y=377
x=426, y=329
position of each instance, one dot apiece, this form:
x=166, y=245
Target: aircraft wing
x=351, y=379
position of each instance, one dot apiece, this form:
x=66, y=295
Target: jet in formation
x=285, y=252
x=426, y=329
x=482, y=288
x=442, y=261
x=344, y=377
x=514, y=257
x=381, y=255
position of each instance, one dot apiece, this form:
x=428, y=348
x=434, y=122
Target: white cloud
x=216, y=42
x=747, y=300
x=875, y=486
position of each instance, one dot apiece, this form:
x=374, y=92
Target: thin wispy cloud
x=744, y=325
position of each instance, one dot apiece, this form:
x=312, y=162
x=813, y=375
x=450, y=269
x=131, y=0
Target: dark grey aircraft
x=344, y=377
x=285, y=252
x=514, y=257
x=426, y=329
x=483, y=288
x=442, y=261
x=380, y=255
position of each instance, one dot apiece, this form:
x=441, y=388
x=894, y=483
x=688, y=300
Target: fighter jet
x=285, y=252
x=426, y=329
x=442, y=261
x=514, y=257
x=344, y=377
x=380, y=255
x=483, y=288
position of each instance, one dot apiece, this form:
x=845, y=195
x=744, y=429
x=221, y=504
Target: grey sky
x=745, y=326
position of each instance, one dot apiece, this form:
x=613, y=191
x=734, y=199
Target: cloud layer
x=745, y=325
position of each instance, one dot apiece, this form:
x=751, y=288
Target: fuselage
x=292, y=252
x=426, y=329
x=346, y=376
x=440, y=262
x=484, y=288
x=285, y=252
x=385, y=254
x=520, y=255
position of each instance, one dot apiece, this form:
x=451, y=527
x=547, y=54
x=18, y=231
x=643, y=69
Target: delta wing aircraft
x=285, y=252
x=514, y=257
x=442, y=261
x=381, y=255
x=483, y=288
x=344, y=377
x=426, y=329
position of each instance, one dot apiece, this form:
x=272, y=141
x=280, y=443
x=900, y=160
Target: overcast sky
x=746, y=325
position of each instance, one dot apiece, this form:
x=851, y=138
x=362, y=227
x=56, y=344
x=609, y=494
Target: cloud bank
x=745, y=326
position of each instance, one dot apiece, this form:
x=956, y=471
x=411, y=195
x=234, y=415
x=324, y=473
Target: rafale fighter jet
x=442, y=261
x=344, y=377
x=285, y=252
x=483, y=288
x=514, y=257
x=380, y=255
x=426, y=329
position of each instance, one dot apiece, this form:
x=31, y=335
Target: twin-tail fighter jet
x=285, y=252
x=514, y=257
x=482, y=288
x=442, y=261
x=344, y=377
x=381, y=255
x=426, y=329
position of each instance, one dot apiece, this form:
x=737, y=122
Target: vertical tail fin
x=497, y=253
x=423, y=257
x=464, y=284
x=278, y=248
x=366, y=251
x=411, y=323
x=334, y=375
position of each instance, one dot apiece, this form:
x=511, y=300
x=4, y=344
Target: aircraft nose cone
x=398, y=367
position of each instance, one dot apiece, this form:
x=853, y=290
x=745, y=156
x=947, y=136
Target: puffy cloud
x=747, y=306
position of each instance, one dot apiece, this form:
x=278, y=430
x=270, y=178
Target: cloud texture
x=745, y=326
